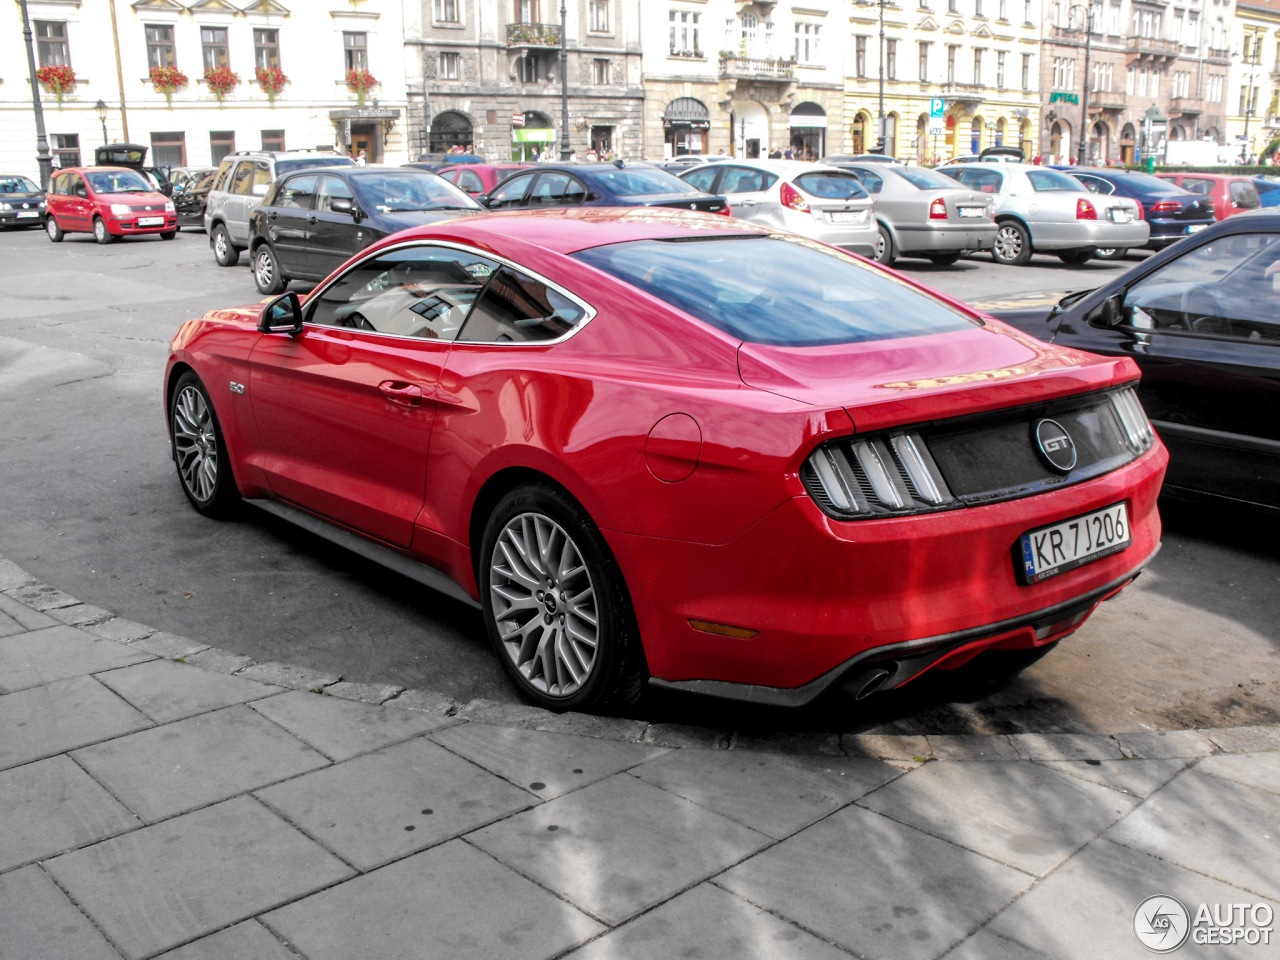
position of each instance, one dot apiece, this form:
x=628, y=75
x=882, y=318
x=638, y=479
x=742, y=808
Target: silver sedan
x=1045, y=211
x=921, y=213
x=817, y=201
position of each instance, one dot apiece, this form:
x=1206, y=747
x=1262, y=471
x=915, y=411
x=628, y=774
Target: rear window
x=640, y=182
x=1149, y=184
x=830, y=185
x=1048, y=181
x=409, y=191
x=779, y=290
x=307, y=163
x=1244, y=195
x=925, y=179
x=985, y=181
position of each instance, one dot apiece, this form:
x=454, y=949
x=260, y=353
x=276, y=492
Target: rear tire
x=52, y=229
x=224, y=251
x=1012, y=245
x=1075, y=257
x=885, y=254
x=539, y=614
x=266, y=271
x=1112, y=253
x=944, y=259
x=100, y=231
x=199, y=452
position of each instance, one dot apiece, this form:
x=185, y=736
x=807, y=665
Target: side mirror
x=1111, y=312
x=260, y=189
x=340, y=205
x=487, y=201
x=282, y=315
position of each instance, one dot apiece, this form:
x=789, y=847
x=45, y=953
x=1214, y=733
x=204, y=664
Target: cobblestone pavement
x=162, y=797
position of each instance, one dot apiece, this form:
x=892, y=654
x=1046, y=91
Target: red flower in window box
x=221, y=81
x=272, y=81
x=168, y=79
x=361, y=82
x=57, y=80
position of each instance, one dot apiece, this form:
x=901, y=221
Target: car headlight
x=121, y=209
x=40, y=205
x=6, y=206
x=169, y=207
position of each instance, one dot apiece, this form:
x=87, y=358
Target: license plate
x=150, y=221
x=852, y=216
x=1048, y=551
x=1196, y=227
x=973, y=211
x=1120, y=215
x=28, y=213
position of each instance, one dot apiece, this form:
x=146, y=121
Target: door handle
x=313, y=219
x=743, y=203
x=398, y=391
x=272, y=215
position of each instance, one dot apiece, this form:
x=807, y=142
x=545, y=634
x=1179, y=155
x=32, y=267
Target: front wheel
x=224, y=251
x=1012, y=246
x=53, y=230
x=1075, y=257
x=555, y=605
x=1112, y=253
x=885, y=254
x=100, y=231
x=266, y=271
x=199, y=451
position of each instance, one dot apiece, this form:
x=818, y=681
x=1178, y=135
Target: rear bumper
x=1165, y=232
x=945, y=237
x=859, y=238
x=1093, y=233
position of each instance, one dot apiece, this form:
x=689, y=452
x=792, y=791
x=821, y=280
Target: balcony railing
x=1186, y=106
x=1151, y=47
x=1105, y=100
x=533, y=34
x=1223, y=54
x=754, y=68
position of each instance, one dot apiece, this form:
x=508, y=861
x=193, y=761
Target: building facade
x=743, y=78
x=979, y=57
x=111, y=46
x=485, y=75
x=1157, y=72
x=1254, y=84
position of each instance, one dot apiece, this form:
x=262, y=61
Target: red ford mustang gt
x=665, y=447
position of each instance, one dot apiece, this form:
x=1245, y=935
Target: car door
x=79, y=205
x=344, y=409
x=1051, y=206
x=236, y=210
x=286, y=222
x=1205, y=330
x=510, y=193
x=747, y=190
x=555, y=189
x=334, y=235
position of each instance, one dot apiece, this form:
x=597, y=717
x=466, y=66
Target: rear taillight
x=1167, y=206
x=724, y=210
x=938, y=209
x=1142, y=212
x=1137, y=427
x=1085, y=211
x=792, y=199
x=863, y=478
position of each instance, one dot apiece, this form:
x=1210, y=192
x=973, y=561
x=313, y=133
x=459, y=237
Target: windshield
x=830, y=185
x=17, y=185
x=1048, y=181
x=778, y=290
x=640, y=182
x=407, y=191
x=1149, y=184
x=289, y=166
x=118, y=181
x=925, y=179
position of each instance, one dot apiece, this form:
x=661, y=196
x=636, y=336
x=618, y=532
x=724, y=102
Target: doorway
x=602, y=141
x=363, y=138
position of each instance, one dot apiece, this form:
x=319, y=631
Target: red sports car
x=108, y=202
x=668, y=447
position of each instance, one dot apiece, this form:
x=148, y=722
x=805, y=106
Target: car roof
x=1000, y=166
x=788, y=168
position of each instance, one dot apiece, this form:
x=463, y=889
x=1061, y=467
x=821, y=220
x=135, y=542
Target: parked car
x=1229, y=194
x=181, y=177
x=21, y=202
x=839, y=158
x=243, y=179
x=993, y=155
x=921, y=213
x=312, y=222
x=1268, y=191
x=1202, y=321
x=630, y=442
x=132, y=156
x=108, y=202
x=190, y=198
x=816, y=200
x=435, y=162
x=1045, y=211
x=679, y=165
x=478, y=178
x=599, y=185
x=1170, y=211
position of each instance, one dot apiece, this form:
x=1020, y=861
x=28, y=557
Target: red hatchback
x=108, y=202
x=656, y=446
x=1229, y=194
x=478, y=178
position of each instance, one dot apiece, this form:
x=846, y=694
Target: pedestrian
x=721, y=153
x=775, y=154
x=361, y=159
x=592, y=156
x=789, y=155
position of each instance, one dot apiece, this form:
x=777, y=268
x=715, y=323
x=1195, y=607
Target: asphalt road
x=90, y=503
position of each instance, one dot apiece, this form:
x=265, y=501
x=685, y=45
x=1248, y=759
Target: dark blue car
x=1172, y=212
x=1268, y=191
x=600, y=185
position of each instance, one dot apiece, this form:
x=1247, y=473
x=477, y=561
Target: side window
x=1244, y=195
x=242, y=178
x=1229, y=287
x=76, y=186
x=224, y=172
x=297, y=193
x=515, y=308
x=1095, y=185
x=1197, y=185
x=871, y=182
x=1050, y=181
x=511, y=193
x=261, y=178
x=702, y=179
x=984, y=181
x=423, y=291
x=59, y=184
x=450, y=175
x=332, y=188
x=745, y=180
x=556, y=190
x=470, y=181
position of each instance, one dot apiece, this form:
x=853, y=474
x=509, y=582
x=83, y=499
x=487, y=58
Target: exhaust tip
x=868, y=683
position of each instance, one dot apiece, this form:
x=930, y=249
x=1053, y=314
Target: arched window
x=809, y=130
x=750, y=31
x=975, y=136
x=451, y=129
x=999, y=140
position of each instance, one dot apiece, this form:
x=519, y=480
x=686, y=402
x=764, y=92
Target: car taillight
x=1085, y=211
x=724, y=210
x=1167, y=206
x=1142, y=211
x=938, y=209
x=1133, y=418
x=791, y=198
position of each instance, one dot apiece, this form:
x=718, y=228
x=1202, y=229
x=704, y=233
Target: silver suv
x=242, y=181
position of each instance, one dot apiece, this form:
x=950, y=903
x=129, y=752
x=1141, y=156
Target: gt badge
x=1055, y=446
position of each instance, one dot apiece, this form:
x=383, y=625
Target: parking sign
x=937, y=106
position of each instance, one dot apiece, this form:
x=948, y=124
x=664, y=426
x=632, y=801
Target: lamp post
x=1248, y=101
x=880, y=131
x=43, y=157
x=1084, y=106
x=101, y=109
x=565, y=150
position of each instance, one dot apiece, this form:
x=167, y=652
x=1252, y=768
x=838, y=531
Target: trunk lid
x=682, y=201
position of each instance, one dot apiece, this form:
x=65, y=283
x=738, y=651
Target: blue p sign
x=937, y=106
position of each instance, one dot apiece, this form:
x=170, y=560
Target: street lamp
x=1248, y=102
x=1084, y=107
x=565, y=150
x=101, y=108
x=43, y=158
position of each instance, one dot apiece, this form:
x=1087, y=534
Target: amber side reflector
x=723, y=629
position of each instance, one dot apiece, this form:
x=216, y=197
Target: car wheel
x=100, y=231
x=266, y=271
x=1111, y=253
x=168, y=234
x=1012, y=244
x=945, y=259
x=199, y=450
x=555, y=604
x=1076, y=256
x=885, y=254
x=53, y=230
x=224, y=252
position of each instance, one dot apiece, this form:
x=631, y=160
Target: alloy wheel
x=1008, y=243
x=99, y=230
x=265, y=266
x=544, y=604
x=880, y=247
x=220, y=244
x=195, y=444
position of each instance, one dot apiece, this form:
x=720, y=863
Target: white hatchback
x=814, y=200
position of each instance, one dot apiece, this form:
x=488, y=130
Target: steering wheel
x=358, y=321
x=1203, y=311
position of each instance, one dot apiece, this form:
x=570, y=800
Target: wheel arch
x=494, y=489
x=893, y=233
x=1020, y=221
x=175, y=374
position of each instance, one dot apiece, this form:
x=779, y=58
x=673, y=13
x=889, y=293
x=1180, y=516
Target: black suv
x=312, y=222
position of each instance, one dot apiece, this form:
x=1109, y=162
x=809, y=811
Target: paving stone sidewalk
x=159, y=797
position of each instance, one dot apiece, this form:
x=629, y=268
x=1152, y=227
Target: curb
x=34, y=605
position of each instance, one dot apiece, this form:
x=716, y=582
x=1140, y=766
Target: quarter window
x=516, y=308
x=213, y=41
x=702, y=179
x=51, y=43
x=160, y=45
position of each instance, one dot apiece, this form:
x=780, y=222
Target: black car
x=1172, y=212
x=190, y=192
x=21, y=202
x=311, y=222
x=615, y=184
x=1202, y=321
